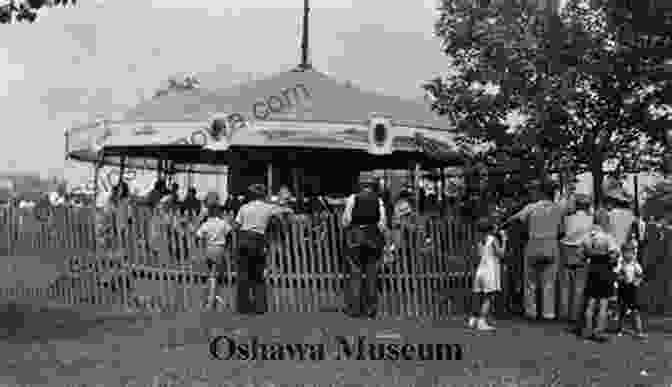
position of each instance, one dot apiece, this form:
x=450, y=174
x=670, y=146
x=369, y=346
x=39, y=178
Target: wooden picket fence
x=139, y=258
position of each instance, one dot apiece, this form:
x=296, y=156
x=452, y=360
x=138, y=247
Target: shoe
x=640, y=336
x=482, y=325
x=598, y=338
x=472, y=322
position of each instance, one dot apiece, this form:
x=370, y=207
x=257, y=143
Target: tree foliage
x=27, y=10
x=586, y=85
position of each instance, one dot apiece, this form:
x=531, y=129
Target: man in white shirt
x=622, y=220
x=544, y=220
x=572, y=280
x=252, y=222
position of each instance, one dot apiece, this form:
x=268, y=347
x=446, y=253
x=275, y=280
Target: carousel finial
x=305, y=61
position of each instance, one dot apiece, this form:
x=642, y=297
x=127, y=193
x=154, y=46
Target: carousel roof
x=294, y=109
x=293, y=96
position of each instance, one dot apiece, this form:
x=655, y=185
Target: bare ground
x=60, y=347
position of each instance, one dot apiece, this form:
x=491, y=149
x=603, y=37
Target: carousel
x=301, y=129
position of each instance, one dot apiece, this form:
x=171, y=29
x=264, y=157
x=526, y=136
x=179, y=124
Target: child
x=487, y=279
x=630, y=276
x=215, y=230
x=601, y=251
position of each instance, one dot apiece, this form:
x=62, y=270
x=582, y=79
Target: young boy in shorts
x=630, y=277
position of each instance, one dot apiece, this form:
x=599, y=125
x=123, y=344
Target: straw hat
x=367, y=180
x=257, y=190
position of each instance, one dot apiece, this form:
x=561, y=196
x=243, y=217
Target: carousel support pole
x=416, y=185
x=67, y=144
x=159, y=168
x=122, y=170
x=442, y=190
x=96, y=177
x=269, y=180
x=96, y=191
x=297, y=189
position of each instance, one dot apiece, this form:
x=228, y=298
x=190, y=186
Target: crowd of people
x=568, y=236
x=364, y=218
x=565, y=239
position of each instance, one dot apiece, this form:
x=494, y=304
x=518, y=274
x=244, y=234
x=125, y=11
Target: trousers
x=362, y=290
x=251, y=289
x=543, y=275
x=572, y=282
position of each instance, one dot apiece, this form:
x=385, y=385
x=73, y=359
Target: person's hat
x=582, y=199
x=367, y=179
x=257, y=189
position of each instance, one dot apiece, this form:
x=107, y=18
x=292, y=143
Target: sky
x=102, y=57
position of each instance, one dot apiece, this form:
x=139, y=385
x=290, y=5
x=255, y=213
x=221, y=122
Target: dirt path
x=60, y=347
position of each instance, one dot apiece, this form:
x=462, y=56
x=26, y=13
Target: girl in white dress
x=487, y=279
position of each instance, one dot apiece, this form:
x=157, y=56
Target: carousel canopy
x=302, y=96
x=294, y=109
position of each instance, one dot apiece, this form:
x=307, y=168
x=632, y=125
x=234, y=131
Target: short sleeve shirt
x=630, y=271
x=598, y=242
x=215, y=231
x=256, y=215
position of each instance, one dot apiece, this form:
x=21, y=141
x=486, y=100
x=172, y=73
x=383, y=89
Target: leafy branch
x=17, y=11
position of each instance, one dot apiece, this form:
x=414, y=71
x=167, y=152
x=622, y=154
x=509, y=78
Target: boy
x=630, y=277
x=602, y=252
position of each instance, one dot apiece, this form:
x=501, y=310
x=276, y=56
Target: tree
x=586, y=94
x=27, y=10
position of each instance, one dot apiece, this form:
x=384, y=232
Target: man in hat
x=544, y=221
x=252, y=223
x=365, y=223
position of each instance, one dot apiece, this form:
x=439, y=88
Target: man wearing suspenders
x=365, y=226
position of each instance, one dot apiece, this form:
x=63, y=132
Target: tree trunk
x=598, y=177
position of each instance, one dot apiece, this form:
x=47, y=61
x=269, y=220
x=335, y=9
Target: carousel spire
x=305, y=61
